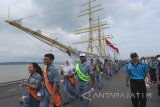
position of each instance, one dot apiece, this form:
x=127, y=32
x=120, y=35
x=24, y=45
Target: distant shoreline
x=17, y=63
x=21, y=63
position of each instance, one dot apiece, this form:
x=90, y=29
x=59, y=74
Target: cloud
x=134, y=24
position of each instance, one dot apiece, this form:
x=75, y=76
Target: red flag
x=112, y=46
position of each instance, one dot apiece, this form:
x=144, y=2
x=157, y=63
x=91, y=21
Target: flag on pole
x=112, y=46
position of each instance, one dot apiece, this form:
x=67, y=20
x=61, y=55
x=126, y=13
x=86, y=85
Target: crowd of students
x=43, y=86
x=154, y=66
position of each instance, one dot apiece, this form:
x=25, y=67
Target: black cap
x=134, y=55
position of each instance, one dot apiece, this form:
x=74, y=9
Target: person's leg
x=100, y=81
x=56, y=106
x=44, y=102
x=109, y=73
x=27, y=100
x=97, y=79
x=26, y=104
x=142, y=97
x=159, y=89
x=151, y=73
x=154, y=75
x=134, y=97
x=106, y=74
x=34, y=102
x=86, y=88
x=80, y=91
x=67, y=96
x=72, y=90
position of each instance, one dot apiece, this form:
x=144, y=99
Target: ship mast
x=93, y=27
x=102, y=38
x=99, y=35
x=89, y=11
x=43, y=38
x=90, y=27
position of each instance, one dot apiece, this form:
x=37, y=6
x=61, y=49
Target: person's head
x=48, y=59
x=82, y=57
x=68, y=62
x=134, y=57
x=34, y=67
x=92, y=60
x=106, y=60
x=97, y=61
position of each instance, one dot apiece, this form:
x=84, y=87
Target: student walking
x=136, y=72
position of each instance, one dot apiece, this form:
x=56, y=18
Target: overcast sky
x=134, y=24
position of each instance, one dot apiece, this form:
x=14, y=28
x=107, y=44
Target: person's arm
x=91, y=72
x=127, y=76
x=72, y=72
x=157, y=76
x=61, y=69
x=61, y=72
x=93, y=81
x=30, y=85
x=148, y=76
x=158, y=81
x=147, y=70
x=127, y=80
x=94, y=68
x=102, y=68
x=37, y=83
x=67, y=76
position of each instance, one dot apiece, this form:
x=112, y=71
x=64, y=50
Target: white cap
x=82, y=55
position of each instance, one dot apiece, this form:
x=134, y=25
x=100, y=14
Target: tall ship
x=96, y=44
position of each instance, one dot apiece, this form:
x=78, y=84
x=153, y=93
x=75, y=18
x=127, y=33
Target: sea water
x=10, y=73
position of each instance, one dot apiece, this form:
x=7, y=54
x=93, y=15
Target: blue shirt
x=137, y=71
x=53, y=78
x=35, y=80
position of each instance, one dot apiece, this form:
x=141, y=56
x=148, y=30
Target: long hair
x=38, y=68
